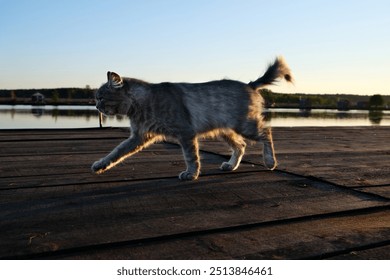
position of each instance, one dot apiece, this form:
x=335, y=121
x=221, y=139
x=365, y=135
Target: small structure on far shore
x=362, y=105
x=343, y=105
x=304, y=104
x=38, y=98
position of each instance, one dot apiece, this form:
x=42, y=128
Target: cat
x=229, y=109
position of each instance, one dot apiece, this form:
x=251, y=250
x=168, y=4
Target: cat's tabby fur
x=229, y=109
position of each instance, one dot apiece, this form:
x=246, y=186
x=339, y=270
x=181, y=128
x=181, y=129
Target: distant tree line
x=52, y=96
x=272, y=99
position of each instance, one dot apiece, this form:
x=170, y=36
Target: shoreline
x=92, y=103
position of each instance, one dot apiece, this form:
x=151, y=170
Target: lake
x=26, y=116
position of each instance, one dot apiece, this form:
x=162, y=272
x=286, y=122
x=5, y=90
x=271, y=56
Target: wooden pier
x=328, y=199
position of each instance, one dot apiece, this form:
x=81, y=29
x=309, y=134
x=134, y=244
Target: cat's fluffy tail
x=279, y=69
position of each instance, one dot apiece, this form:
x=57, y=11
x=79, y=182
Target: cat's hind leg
x=269, y=151
x=190, y=150
x=252, y=130
x=237, y=144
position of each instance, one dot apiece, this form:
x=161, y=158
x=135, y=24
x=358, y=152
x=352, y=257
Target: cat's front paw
x=188, y=176
x=99, y=166
x=226, y=166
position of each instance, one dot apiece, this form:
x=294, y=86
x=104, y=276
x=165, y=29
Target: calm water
x=21, y=116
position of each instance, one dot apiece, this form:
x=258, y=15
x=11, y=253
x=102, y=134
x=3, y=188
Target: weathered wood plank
x=329, y=237
x=377, y=253
x=353, y=168
x=59, y=218
x=350, y=157
x=50, y=147
x=383, y=191
x=51, y=202
x=32, y=135
x=76, y=169
x=159, y=160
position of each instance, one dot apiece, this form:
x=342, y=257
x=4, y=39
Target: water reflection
x=87, y=116
x=305, y=113
x=315, y=117
x=342, y=115
x=375, y=116
x=37, y=112
x=26, y=116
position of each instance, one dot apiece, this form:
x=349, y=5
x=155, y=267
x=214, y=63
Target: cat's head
x=112, y=97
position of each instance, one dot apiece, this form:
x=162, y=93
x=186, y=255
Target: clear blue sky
x=331, y=46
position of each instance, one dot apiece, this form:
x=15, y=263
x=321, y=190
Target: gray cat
x=229, y=109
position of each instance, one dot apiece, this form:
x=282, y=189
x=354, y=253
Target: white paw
x=226, y=167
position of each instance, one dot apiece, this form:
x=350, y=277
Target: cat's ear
x=114, y=80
